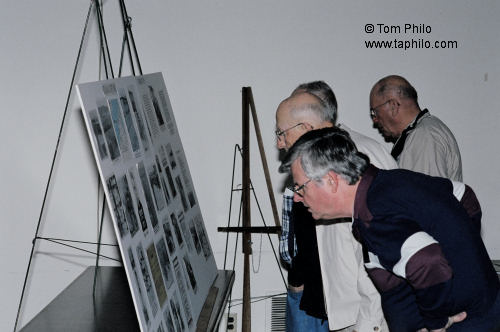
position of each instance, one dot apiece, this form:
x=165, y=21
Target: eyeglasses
x=280, y=133
x=296, y=188
x=373, y=110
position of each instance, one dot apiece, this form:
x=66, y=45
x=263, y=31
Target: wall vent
x=278, y=313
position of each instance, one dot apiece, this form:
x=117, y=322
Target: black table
x=110, y=306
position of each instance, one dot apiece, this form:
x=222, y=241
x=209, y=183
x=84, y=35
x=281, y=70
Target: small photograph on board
x=149, y=197
x=139, y=119
x=167, y=109
x=192, y=199
x=142, y=300
x=166, y=267
x=190, y=273
x=176, y=312
x=158, y=194
x=169, y=236
x=162, y=180
x=132, y=133
x=116, y=203
x=156, y=106
x=185, y=231
x=116, y=117
x=138, y=198
x=181, y=283
x=170, y=180
x=182, y=193
x=146, y=277
x=167, y=317
x=149, y=111
x=161, y=292
x=194, y=236
x=171, y=157
x=109, y=131
x=177, y=230
x=130, y=215
x=99, y=135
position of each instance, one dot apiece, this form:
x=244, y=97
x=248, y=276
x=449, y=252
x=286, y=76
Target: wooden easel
x=247, y=229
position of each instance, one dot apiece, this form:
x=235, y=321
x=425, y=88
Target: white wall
x=208, y=50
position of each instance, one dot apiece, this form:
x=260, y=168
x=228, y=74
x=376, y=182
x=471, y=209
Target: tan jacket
x=351, y=300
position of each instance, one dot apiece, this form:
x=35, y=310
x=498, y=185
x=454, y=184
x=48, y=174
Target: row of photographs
x=166, y=261
x=131, y=217
x=159, y=280
x=123, y=128
x=158, y=222
x=141, y=196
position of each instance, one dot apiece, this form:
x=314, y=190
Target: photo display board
x=156, y=216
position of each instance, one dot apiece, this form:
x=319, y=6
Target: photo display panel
x=157, y=219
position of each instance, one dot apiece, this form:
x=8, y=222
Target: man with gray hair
x=324, y=262
x=420, y=246
x=423, y=143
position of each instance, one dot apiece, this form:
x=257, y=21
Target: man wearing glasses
x=423, y=143
x=420, y=243
x=324, y=261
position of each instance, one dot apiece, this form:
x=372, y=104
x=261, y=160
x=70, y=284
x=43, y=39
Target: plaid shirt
x=284, y=245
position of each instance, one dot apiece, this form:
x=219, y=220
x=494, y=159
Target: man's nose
x=280, y=142
x=297, y=198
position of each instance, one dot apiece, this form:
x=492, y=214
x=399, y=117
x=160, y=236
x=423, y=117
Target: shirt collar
x=361, y=210
x=423, y=113
x=288, y=192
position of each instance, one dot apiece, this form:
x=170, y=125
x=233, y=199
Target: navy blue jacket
x=423, y=250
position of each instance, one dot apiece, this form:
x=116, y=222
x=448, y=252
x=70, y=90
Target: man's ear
x=307, y=126
x=332, y=180
x=394, y=111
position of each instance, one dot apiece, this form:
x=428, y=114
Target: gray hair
x=323, y=91
x=316, y=110
x=324, y=150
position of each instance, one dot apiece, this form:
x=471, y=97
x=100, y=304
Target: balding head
x=324, y=92
x=393, y=105
x=304, y=106
x=395, y=86
x=298, y=114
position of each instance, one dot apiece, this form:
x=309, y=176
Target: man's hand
x=453, y=319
